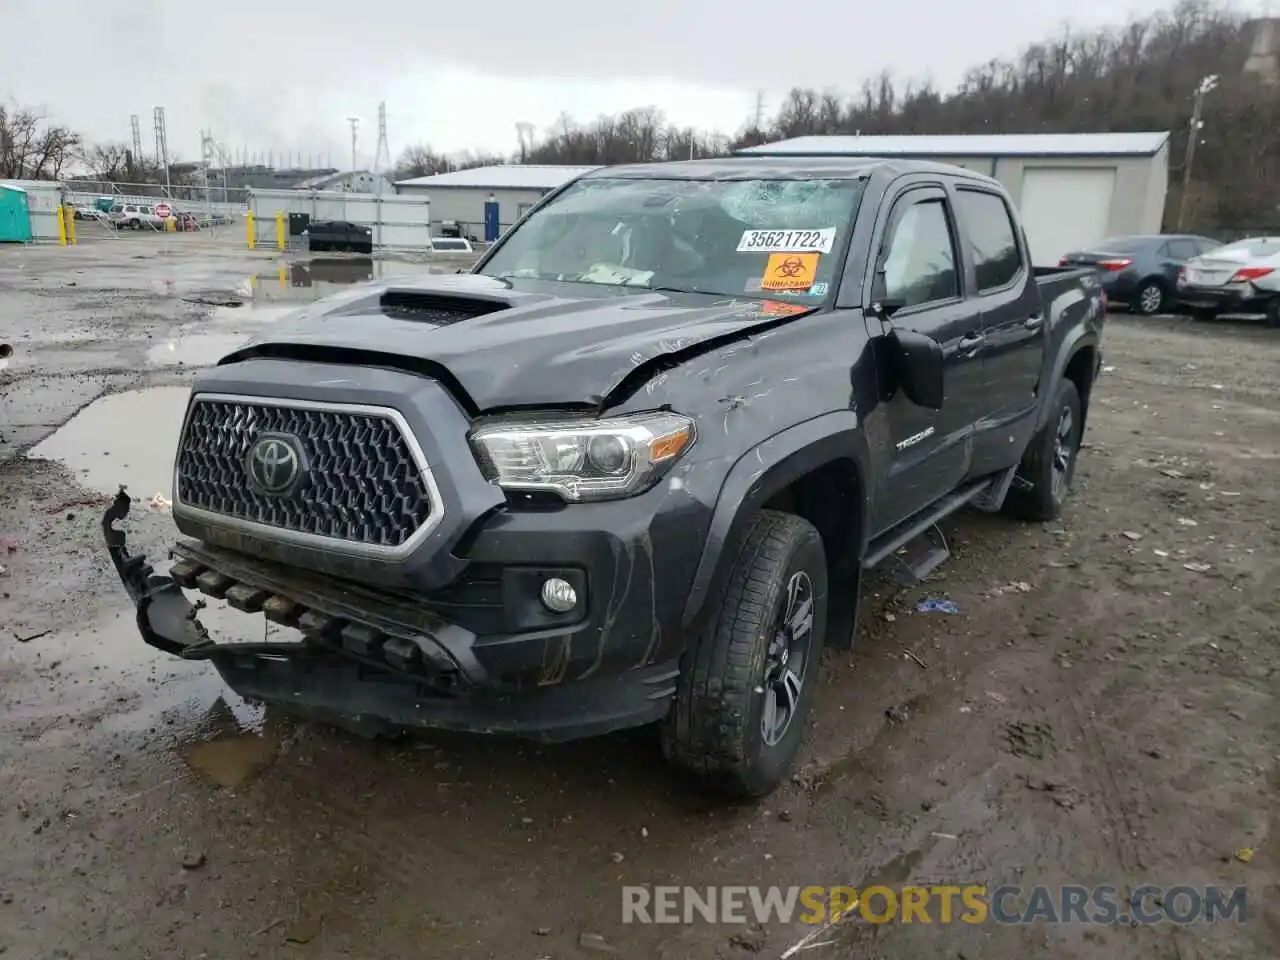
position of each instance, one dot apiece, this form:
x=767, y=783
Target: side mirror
x=918, y=362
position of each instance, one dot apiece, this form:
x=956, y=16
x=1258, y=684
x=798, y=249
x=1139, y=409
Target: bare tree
x=421, y=161
x=110, y=161
x=31, y=147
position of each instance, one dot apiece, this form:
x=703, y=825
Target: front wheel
x=1049, y=465
x=748, y=677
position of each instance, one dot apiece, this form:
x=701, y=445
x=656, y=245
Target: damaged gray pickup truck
x=617, y=473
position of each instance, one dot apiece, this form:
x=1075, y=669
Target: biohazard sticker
x=787, y=241
x=790, y=271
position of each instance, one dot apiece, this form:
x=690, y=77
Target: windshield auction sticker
x=787, y=241
x=790, y=271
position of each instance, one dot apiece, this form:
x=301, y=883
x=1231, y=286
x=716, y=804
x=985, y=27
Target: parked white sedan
x=1241, y=277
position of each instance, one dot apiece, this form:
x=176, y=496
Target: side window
x=1181, y=249
x=1204, y=246
x=921, y=262
x=996, y=257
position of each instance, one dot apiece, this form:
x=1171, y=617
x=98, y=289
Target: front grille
x=361, y=483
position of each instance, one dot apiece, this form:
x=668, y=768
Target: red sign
x=162, y=210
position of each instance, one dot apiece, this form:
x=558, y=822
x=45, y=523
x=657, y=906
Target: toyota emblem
x=275, y=464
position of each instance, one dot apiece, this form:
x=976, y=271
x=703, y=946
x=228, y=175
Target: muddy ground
x=1101, y=710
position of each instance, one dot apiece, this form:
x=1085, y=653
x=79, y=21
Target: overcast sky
x=283, y=75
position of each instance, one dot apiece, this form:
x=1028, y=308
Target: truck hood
x=510, y=343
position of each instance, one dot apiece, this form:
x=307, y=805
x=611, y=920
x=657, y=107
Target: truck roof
x=777, y=167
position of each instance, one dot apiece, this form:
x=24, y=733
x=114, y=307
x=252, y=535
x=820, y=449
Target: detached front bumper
x=372, y=655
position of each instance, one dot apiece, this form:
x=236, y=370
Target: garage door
x=1065, y=209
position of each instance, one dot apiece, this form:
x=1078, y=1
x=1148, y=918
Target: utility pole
x=355, y=125
x=382, y=152
x=1193, y=136
x=759, y=122
x=162, y=146
x=136, y=129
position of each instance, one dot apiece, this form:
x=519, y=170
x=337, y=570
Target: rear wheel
x=1049, y=465
x=1273, y=312
x=747, y=682
x=1150, y=298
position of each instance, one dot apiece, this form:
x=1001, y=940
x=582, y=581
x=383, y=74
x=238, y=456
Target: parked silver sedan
x=1241, y=277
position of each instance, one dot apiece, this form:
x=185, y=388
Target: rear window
x=996, y=257
x=1122, y=244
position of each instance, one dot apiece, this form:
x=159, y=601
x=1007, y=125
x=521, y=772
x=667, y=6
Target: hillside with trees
x=1139, y=77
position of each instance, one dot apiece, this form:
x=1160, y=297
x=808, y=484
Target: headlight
x=603, y=459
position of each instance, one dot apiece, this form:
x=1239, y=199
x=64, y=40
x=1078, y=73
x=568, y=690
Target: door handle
x=1033, y=323
x=972, y=342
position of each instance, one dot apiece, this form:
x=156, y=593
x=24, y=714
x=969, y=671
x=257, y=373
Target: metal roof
x=326, y=179
x=503, y=176
x=979, y=145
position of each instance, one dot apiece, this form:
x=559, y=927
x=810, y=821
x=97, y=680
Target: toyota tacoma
x=615, y=474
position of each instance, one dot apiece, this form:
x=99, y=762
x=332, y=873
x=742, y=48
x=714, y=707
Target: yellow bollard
x=71, y=224
x=284, y=277
x=62, y=225
x=280, y=229
x=252, y=236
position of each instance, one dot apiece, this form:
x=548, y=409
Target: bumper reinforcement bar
x=374, y=631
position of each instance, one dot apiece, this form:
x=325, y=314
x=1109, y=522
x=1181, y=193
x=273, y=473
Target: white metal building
x=460, y=196
x=1072, y=189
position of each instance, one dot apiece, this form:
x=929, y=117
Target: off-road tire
x=1150, y=299
x=1042, y=501
x=714, y=728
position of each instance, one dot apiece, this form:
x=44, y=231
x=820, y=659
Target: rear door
x=929, y=449
x=1008, y=302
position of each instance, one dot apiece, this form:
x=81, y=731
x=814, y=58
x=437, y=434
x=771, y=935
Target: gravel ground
x=1101, y=710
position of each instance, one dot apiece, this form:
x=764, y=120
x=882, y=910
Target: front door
x=1013, y=324
x=922, y=271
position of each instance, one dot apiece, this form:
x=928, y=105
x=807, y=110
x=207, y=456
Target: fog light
x=558, y=595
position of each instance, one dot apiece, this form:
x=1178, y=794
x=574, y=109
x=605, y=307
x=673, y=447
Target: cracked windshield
x=701, y=481
x=757, y=238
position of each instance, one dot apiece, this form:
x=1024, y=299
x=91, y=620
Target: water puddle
x=308, y=280
x=113, y=684
x=231, y=760
x=125, y=438
x=200, y=349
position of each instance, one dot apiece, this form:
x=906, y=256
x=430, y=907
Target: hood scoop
x=440, y=309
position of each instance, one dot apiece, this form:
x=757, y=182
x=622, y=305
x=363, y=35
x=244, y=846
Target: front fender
x=762, y=472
